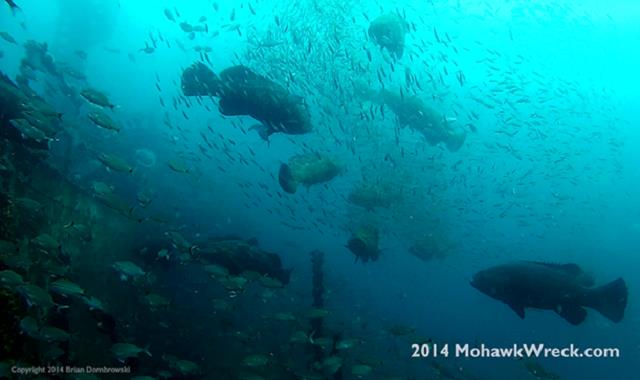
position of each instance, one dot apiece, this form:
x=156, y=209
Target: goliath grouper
x=412, y=112
x=237, y=256
x=389, y=31
x=308, y=169
x=243, y=92
x=565, y=289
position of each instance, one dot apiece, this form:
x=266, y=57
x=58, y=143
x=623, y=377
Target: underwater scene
x=320, y=189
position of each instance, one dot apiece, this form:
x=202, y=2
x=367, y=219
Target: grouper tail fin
x=455, y=141
x=286, y=179
x=610, y=300
x=200, y=80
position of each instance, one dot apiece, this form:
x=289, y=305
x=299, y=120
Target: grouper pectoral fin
x=263, y=130
x=572, y=313
x=519, y=309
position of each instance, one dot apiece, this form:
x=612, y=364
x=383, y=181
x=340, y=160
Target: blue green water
x=545, y=93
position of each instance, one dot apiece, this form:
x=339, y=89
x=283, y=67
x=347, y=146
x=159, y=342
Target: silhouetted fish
x=13, y=6
x=565, y=289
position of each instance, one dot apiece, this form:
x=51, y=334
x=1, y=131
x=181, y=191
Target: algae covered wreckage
x=89, y=276
x=76, y=261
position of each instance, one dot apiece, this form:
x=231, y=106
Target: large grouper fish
x=412, y=112
x=563, y=288
x=244, y=92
